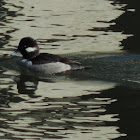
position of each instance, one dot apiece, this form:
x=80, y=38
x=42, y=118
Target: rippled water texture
x=100, y=103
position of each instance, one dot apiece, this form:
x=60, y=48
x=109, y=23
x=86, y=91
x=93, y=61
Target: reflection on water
x=127, y=23
x=51, y=112
x=97, y=103
x=61, y=27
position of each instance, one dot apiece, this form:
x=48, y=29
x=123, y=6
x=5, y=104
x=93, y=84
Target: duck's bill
x=16, y=53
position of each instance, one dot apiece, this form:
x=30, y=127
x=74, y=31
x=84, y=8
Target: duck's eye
x=25, y=46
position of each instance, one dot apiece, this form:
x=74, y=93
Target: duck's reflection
x=26, y=84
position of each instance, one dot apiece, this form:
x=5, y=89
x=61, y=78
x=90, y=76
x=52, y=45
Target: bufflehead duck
x=43, y=62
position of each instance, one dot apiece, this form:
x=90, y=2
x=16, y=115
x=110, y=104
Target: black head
x=28, y=48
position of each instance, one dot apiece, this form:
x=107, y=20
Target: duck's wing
x=44, y=58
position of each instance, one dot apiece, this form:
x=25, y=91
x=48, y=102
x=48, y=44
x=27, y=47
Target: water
x=101, y=102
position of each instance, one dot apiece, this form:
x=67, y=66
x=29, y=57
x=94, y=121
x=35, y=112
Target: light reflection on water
x=77, y=105
x=43, y=112
x=64, y=22
x=32, y=115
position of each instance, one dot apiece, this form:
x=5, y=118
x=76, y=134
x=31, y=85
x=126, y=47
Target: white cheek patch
x=30, y=49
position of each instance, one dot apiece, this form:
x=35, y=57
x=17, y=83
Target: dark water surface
x=98, y=103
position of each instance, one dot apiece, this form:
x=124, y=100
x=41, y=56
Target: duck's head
x=28, y=48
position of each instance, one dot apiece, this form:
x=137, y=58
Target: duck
x=43, y=62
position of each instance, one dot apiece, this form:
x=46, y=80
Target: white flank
x=30, y=49
x=51, y=68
